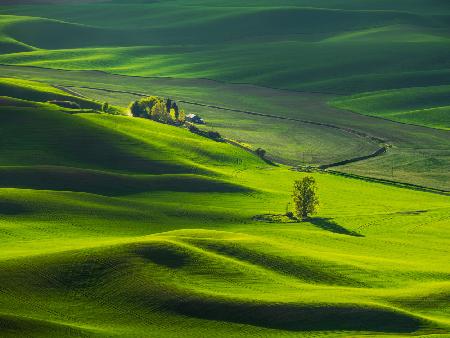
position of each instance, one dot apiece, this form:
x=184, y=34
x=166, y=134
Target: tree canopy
x=305, y=197
x=157, y=109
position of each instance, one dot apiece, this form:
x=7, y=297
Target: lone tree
x=105, y=107
x=305, y=197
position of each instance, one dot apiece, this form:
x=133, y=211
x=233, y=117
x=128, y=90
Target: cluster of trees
x=158, y=109
x=167, y=111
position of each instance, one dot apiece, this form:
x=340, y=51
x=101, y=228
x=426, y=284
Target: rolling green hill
x=251, y=44
x=102, y=237
x=116, y=226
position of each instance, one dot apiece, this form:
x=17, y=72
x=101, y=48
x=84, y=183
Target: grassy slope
x=40, y=92
x=99, y=246
x=428, y=106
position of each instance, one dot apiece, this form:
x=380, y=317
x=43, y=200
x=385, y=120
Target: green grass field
x=115, y=226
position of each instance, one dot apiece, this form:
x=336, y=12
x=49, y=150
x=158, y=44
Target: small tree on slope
x=305, y=197
x=105, y=107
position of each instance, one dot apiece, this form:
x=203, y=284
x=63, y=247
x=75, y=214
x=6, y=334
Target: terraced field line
x=70, y=91
x=389, y=182
x=378, y=152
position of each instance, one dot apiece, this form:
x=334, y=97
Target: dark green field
x=118, y=226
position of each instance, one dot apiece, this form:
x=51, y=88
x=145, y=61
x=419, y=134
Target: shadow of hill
x=11, y=208
x=300, y=317
x=105, y=183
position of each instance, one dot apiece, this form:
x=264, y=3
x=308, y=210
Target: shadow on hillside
x=298, y=317
x=165, y=254
x=21, y=326
x=329, y=225
x=107, y=183
x=11, y=208
x=306, y=269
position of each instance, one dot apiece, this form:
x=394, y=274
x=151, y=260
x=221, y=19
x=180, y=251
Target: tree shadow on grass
x=329, y=225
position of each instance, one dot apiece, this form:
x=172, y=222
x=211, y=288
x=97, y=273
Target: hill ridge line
x=170, y=78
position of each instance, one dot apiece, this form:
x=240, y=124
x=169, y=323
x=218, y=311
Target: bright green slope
x=11, y=88
x=124, y=227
